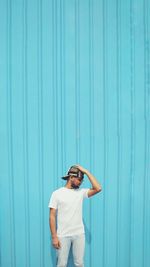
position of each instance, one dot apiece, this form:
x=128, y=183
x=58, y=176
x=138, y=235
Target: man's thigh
x=78, y=247
x=63, y=252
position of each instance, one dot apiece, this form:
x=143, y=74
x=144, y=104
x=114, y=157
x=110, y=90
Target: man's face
x=75, y=182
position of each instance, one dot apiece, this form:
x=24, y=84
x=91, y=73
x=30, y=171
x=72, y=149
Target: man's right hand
x=56, y=243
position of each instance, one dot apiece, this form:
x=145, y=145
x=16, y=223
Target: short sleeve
x=53, y=201
x=85, y=192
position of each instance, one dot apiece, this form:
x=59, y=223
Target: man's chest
x=69, y=200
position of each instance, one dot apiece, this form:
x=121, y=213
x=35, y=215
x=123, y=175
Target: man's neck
x=68, y=186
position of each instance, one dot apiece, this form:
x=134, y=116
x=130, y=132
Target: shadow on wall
x=70, y=258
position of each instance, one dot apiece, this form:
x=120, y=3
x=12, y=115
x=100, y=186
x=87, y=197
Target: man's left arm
x=96, y=186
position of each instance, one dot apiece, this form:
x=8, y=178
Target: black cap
x=74, y=171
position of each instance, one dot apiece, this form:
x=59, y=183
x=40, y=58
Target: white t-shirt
x=68, y=203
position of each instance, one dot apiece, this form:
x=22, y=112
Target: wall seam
x=146, y=119
x=132, y=154
x=40, y=131
x=25, y=136
x=118, y=226
x=10, y=134
x=104, y=128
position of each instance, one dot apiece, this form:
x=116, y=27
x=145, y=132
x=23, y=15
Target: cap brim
x=65, y=177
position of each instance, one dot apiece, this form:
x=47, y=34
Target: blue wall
x=75, y=88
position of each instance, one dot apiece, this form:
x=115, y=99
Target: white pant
x=78, y=245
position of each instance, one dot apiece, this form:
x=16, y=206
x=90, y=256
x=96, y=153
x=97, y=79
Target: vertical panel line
x=53, y=82
x=25, y=136
x=62, y=80
x=56, y=88
x=40, y=131
x=147, y=137
x=54, y=59
x=91, y=100
x=77, y=79
x=104, y=126
x=119, y=161
x=132, y=155
x=10, y=135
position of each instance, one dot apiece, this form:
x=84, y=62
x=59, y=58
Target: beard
x=74, y=186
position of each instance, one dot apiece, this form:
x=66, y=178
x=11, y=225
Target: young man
x=66, y=206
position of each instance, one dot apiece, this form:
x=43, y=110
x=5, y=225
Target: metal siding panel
x=132, y=112
x=5, y=233
x=70, y=93
x=25, y=133
x=17, y=131
x=97, y=163
x=111, y=136
x=124, y=220
x=146, y=232
x=137, y=252
x=9, y=136
x=33, y=132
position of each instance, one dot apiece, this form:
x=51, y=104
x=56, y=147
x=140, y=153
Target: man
x=66, y=205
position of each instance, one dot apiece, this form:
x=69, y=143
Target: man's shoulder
x=82, y=190
x=58, y=190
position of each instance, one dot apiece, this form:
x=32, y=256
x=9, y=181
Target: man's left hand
x=81, y=168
